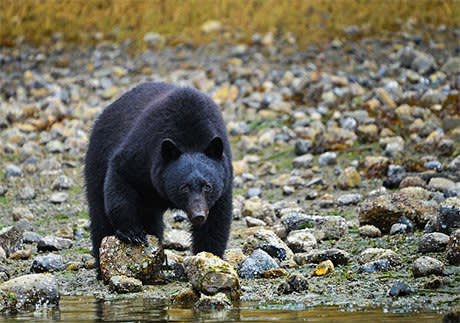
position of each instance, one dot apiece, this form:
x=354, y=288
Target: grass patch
x=4, y=201
x=308, y=20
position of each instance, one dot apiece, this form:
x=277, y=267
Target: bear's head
x=193, y=181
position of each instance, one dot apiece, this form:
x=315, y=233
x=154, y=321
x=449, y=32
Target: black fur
x=159, y=147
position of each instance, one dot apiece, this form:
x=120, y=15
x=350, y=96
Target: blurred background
x=200, y=21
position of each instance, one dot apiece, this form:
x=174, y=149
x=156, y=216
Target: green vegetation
x=309, y=20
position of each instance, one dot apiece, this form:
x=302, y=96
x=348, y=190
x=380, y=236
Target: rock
x=177, y=240
x=433, y=242
x=234, y=256
x=328, y=158
x=454, y=165
x=186, y=296
x=349, y=178
x=52, y=243
x=211, y=275
x=453, y=248
x=323, y=268
x=303, y=161
x=30, y=292
x=368, y=132
x=369, y=231
x=399, y=228
x=275, y=272
x=30, y=237
x=154, y=40
x=400, y=289
x=217, y=302
x=376, y=166
x=452, y=66
x=448, y=217
x=385, y=210
x=2, y=254
x=337, y=256
x=423, y=63
x=256, y=264
x=425, y=266
x=21, y=254
x=26, y=193
x=137, y=261
x=12, y=171
x=301, y=240
x=416, y=193
x=259, y=209
x=122, y=284
x=269, y=242
x=294, y=283
x=253, y=222
x=412, y=181
x=62, y=182
x=10, y=239
x=441, y=184
x=211, y=26
x=47, y=263
x=302, y=147
x=374, y=254
x=59, y=197
x=349, y=199
x=374, y=266
x=326, y=227
x=19, y=213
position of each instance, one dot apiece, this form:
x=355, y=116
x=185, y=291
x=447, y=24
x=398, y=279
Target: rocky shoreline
x=346, y=160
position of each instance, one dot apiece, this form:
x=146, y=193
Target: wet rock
x=137, y=261
x=47, y=263
x=217, y=302
x=177, y=239
x=52, y=243
x=304, y=161
x=453, y=248
x=256, y=264
x=211, y=275
x=294, y=283
x=59, y=197
x=369, y=231
x=301, y=240
x=324, y=268
x=122, y=284
x=337, y=256
x=327, y=227
x=62, y=182
x=374, y=254
x=10, y=239
x=349, y=199
x=349, y=178
x=269, y=242
x=448, y=217
x=400, y=289
x=441, y=184
x=30, y=292
x=186, y=296
x=374, y=266
x=385, y=210
x=425, y=266
x=433, y=242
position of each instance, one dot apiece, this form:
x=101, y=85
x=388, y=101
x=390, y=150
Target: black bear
x=157, y=147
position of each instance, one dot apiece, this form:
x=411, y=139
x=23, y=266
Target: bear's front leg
x=213, y=235
x=120, y=201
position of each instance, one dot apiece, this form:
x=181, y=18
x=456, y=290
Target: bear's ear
x=169, y=150
x=215, y=148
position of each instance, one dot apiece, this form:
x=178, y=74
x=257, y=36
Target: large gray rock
x=301, y=240
x=453, y=248
x=177, y=239
x=118, y=258
x=269, y=242
x=448, y=218
x=375, y=254
x=210, y=275
x=256, y=264
x=52, y=243
x=337, y=256
x=29, y=292
x=433, y=242
x=425, y=266
x=47, y=263
x=123, y=284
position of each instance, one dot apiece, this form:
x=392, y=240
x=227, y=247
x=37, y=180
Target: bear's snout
x=198, y=210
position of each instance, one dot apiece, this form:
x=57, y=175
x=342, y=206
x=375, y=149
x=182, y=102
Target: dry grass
x=180, y=20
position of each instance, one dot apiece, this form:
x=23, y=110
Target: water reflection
x=88, y=309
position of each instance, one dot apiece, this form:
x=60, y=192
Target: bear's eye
x=207, y=187
x=184, y=188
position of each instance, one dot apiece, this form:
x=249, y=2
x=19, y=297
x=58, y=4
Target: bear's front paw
x=132, y=235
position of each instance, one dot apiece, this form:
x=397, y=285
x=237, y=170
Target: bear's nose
x=198, y=219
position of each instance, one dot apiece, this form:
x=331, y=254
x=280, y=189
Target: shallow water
x=88, y=309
